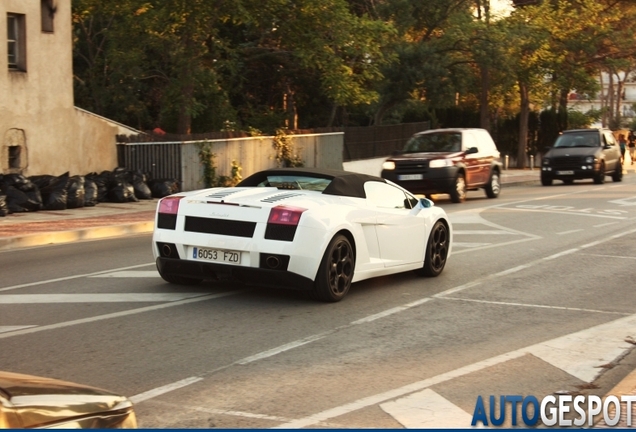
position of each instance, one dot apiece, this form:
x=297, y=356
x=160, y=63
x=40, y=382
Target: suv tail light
x=167, y=213
x=282, y=223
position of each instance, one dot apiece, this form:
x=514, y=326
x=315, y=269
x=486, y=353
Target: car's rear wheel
x=546, y=181
x=618, y=172
x=599, y=177
x=493, y=188
x=336, y=271
x=458, y=193
x=436, y=251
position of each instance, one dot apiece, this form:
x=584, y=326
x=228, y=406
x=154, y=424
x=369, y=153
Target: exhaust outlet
x=272, y=262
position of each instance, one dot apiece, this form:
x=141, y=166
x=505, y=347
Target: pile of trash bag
x=47, y=192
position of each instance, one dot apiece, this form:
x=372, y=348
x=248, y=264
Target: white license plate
x=565, y=172
x=216, y=255
x=410, y=177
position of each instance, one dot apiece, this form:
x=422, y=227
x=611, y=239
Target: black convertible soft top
x=343, y=183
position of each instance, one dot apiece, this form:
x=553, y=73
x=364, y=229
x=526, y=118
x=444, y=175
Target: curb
x=92, y=233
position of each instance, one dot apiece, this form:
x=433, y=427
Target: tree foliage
x=199, y=65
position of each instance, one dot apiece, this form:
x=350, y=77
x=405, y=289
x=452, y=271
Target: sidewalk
x=19, y=230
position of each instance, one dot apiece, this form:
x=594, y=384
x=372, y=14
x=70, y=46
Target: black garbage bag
x=57, y=196
x=19, y=182
x=44, y=183
x=140, y=185
x=19, y=202
x=163, y=187
x=91, y=192
x=4, y=207
x=75, y=191
x=101, y=181
x=120, y=191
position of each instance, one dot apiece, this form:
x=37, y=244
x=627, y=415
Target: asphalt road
x=537, y=298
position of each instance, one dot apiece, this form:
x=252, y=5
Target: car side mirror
x=426, y=203
x=472, y=150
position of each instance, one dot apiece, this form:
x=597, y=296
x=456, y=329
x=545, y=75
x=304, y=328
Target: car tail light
x=282, y=223
x=169, y=205
x=167, y=213
x=285, y=215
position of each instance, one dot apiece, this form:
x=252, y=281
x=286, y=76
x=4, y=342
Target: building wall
x=37, y=109
x=583, y=103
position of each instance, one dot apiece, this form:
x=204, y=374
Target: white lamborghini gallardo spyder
x=301, y=228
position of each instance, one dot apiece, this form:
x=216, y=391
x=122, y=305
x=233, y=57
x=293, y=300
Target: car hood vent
x=223, y=193
x=280, y=197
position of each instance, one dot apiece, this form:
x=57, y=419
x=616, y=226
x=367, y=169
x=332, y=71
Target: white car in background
x=301, y=228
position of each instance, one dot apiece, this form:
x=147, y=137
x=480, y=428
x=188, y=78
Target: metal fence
x=180, y=160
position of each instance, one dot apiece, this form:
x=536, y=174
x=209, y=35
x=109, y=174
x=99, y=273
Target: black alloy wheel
x=336, y=271
x=436, y=251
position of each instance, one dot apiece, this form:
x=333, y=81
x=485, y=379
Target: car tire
x=458, y=193
x=493, y=188
x=436, y=251
x=599, y=177
x=546, y=181
x=336, y=271
x=618, y=173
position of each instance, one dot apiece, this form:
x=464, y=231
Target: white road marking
x=48, y=281
x=165, y=389
x=427, y=409
x=282, y=348
x=610, y=256
x=605, y=224
x=391, y=311
x=4, y=329
x=469, y=245
x=130, y=274
x=483, y=232
x=573, y=213
x=582, y=354
x=569, y=232
x=94, y=298
x=38, y=329
x=580, y=358
x=533, y=305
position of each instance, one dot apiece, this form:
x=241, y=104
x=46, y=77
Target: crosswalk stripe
x=427, y=409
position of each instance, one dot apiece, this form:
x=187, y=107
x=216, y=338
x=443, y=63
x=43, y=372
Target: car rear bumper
x=247, y=275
